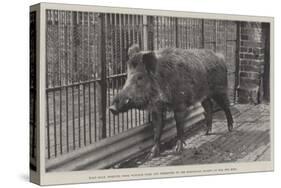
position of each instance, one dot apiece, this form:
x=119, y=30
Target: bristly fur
x=178, y=76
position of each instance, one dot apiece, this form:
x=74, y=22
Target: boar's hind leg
x=223, y=102
x=207, y=105
x=157, y=123
x=179, y=114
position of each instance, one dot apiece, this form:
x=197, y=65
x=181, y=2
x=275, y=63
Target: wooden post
x=101, y=87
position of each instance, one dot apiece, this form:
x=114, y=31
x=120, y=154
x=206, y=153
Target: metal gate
x=86, y=67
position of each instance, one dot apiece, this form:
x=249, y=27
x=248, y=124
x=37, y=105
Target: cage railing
x=86, y=68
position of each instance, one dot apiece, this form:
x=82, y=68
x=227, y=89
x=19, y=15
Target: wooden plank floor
x=249, y=141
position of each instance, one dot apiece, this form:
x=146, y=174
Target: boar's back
x=190, y=75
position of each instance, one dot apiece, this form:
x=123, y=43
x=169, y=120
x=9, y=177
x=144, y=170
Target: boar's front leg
x=179, y=115
x=157, y=123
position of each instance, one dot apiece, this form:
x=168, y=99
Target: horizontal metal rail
x=84, y=82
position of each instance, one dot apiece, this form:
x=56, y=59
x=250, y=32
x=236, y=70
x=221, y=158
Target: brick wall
x=251, y=56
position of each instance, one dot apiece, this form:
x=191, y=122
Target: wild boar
x=173, y=79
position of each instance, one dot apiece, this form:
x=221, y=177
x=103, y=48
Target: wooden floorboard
x=249, y=141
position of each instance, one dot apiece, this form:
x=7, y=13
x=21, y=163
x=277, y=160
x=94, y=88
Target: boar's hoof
x=208, y=131
x=179, y=146
x=230, y=127
x=154, y=152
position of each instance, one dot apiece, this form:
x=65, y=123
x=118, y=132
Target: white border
x=190, y=170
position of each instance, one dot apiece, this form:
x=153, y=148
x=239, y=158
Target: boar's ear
x=133, y=49
x=150, y=61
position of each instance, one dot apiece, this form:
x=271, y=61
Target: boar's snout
x=120, y=104
x=113, y=109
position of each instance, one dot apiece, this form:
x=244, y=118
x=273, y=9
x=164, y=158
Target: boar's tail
x=220, y=56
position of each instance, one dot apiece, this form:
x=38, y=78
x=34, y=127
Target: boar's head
x=139, y=87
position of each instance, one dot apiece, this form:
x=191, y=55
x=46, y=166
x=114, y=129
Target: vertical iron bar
x=67, y=128
x=113, y=59
x=84, y=72
x=216, y=30
x=168, y=31
x=73, y=117
x=107, y=30
x=203, y=36
x=133, y=27
x=162, y=34
x=140, y=40
x=55, y=123
x=186, y=33
x=89, y=77
x=225, y=37
x=66, y=74
x=145, y=41
x=189, y=34
x=79, y=77
x=145, y=33
x=156, y=19
x=237, y=61
x=187, y=27
x=72, y=76
x=125, y=47
x=193, y=33
x=198, y=32
x=47, y=94
x=121, y=56
x=170, y=24
x=48, y=125
x=135, y=23
x=118, y=119
x=113, y=85
x=183, y=39
x=176, y=32
x=84, y=114
x=95, y=74
x=121, y=43
x=60, y=74
x=109, y=43
x=130, y=42
x=139, y=24
x=79, y=119
x=117, y=61
x=140, y=30
x=180, y=36
x=95, y=112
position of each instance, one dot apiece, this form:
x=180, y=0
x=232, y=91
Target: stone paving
x=249, y=141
